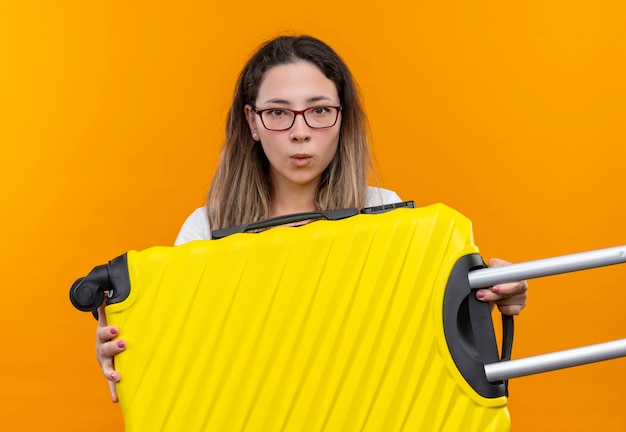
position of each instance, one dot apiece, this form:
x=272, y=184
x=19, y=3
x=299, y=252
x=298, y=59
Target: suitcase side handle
x=286, y=219
x=469, y=330
x=470, y=333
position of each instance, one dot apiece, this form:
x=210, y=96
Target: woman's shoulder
x=379, y=196
x=196, y=227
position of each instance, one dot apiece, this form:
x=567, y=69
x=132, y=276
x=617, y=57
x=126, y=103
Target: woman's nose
x=300, y=131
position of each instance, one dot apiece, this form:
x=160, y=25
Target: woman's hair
x=241, y=191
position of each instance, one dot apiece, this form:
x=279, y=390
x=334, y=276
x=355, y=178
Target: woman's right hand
x=107, y=349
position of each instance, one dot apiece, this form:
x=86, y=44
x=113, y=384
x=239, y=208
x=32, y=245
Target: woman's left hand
x=509, y=297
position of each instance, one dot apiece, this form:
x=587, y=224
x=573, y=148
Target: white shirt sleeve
x=196, y=227
x=380, y=196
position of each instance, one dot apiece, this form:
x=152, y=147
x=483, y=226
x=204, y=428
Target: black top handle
x=300, y=217
x=286, y=219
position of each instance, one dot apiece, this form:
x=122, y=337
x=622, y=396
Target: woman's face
x=300, y=154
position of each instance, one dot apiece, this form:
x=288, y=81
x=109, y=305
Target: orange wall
x=111, y=115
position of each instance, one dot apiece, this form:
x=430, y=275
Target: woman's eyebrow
x=319, y=98
x=309, y=100
x=277, y=101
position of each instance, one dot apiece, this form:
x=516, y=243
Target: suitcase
x=363, y=322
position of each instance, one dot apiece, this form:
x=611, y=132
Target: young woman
x=296, y=141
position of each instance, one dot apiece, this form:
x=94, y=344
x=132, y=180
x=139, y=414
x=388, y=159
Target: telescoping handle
x=486, y=277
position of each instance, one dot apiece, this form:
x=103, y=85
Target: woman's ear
x=251, y=118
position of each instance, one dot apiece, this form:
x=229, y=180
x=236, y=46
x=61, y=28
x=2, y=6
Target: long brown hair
x=241, y=191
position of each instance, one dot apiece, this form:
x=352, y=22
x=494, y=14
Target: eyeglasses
x=280, y=119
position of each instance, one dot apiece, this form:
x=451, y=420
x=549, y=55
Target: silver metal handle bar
x=487, y=277
x=556, y=360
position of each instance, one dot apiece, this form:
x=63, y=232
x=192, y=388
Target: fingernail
x=121, y=344
x=480, y=294
x=113, y=331
x=114, y=376
x=495, y=289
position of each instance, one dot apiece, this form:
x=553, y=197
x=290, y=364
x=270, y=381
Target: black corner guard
x=87, y=293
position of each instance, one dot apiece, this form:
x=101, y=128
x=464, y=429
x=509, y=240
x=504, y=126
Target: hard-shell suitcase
x=363, y=323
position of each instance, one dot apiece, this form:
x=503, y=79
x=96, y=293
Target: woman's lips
x=300, y=159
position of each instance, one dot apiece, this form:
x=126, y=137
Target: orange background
x=111, y=115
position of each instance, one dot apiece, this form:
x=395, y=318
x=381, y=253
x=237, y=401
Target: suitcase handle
x=469, y=330
x=286, y=219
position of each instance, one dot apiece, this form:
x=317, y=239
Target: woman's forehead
x=296, y=83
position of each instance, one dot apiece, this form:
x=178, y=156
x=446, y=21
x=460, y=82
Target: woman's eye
x=320, y=110
x=277, y=113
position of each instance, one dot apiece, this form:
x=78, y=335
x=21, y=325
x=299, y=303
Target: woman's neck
x=289, y=199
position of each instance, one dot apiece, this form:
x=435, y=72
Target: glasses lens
x=277, y=119
x=321, y=116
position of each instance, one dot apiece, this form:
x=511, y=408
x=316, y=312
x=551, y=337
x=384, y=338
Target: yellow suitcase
x=330, y=326
x=363, y=323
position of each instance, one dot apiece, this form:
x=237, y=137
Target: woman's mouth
x=300, y=159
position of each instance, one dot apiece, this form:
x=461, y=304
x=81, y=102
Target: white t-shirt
x=196, y=227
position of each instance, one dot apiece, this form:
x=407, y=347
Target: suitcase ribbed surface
x=331, y=326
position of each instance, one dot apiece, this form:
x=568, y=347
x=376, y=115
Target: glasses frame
x=296, y=114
